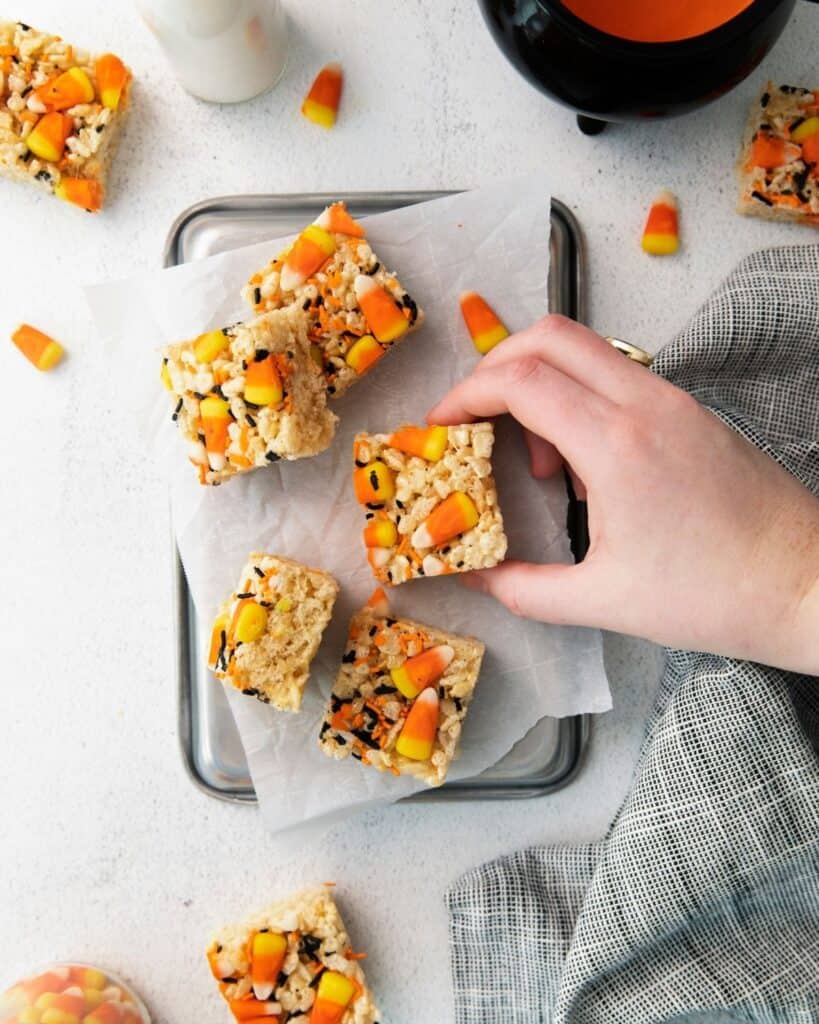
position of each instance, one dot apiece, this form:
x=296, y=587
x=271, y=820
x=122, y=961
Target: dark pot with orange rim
x=619, y=60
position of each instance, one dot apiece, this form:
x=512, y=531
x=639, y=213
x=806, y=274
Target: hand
x=698, y=539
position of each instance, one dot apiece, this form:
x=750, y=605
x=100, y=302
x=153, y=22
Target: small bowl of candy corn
x=72, y=993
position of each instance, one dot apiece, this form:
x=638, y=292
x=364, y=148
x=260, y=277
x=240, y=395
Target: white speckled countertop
x=108, y=852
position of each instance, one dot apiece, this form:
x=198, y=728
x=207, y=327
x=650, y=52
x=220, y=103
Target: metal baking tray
x=550, y=753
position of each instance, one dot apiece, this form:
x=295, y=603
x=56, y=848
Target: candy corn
x=420, y=728
x=482, y=322
x=334, y=994
x=112, y=77
x=47, y=138
x=321, y=103
x=770, y=152
x=422, y=670
x=378, y=602
x=426, y=442
x=217, y=642
x=661, y=234
x=373, y=483
x=263, y=385
x=266, y=951
x=364, y=353
x=69, y=89
x=249, y=623
x=84, y=192
x=254, y=1009
x=215, y=415
x=40, y=350
x=336, y=219
x=107, y=1013
x=310, y=250
x=380, y=533
x=208, y=346
x=381, y=311
x=455, y=514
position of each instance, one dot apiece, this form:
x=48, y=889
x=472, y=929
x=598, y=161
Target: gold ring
x=639, y=355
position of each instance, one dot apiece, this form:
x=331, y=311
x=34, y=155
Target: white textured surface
x=108, y=853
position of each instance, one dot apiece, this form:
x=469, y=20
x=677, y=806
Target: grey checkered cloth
x=702, y=902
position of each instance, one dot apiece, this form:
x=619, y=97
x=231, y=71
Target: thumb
x=550, y=593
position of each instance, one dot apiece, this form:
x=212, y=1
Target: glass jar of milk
x=224, y=51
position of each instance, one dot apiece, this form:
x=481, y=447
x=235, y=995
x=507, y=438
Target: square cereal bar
x=778, y=167
x=267, y=633
x=431, y=502
x=60, y=113
x=401, y=695
x=292, y=963
x=357, y=308
x=248, y=395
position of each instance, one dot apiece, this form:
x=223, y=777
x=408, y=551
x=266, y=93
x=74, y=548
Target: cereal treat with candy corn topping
x=402, y=694
x=293, y=964
x=430, y=500
x=267, y=633
x=779, y=164
x=60, y=113
x=357, y=308
x=248, y=395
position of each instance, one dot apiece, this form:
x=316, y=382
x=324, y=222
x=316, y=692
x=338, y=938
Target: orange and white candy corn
x=250, y=1009
x=66, y=90
x=336, y=219
x=215, y=416
x=422, y=670
x=312, y=248
x=83, y=192
x=209, y=345
x=381, y=311
x=40, y=350
x=48, y=137
x=334, y=994
x=249, y=623
x=112, y=77
x=420, y=728
x=484, y=325
x=378, y=602
x=454, y=515
x=426, y=442
x=373, y=483
x=106, y=1013
x=266, y=951
x=321, y=103
x=364, y=353
x=661, y=235
x=263, y=385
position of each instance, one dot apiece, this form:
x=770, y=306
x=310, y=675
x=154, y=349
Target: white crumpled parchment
x=494, y=240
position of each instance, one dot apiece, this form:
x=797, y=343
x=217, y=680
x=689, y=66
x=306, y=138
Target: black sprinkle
x=305, y=304
x=765, y=99
x=264, y=929
x=244, y=364
x=247, y=593
x=360, y=464
x=421, y=571
x=250, y=691
x=383, y=689
x=252, y=404
x=42, y=176
x=795, y=124
x=358, y=758
x=324, y=727
x=349, y=658
x=762, y=199
x=369, y=515
x=460, y=565
x=217, y=390
x=459, y=704
x=800, y=178
x=392, y=622
x=309, y=945
x=266, y=604
x=226, y=331
x=374, y=269
x=282, y=978
x=24, y=27
x=373, y=630
x=260, y=354
x=365, y=738
x=398, y=521
x=26, y=91
x=446, y=550
x=249, y=420
x=320, y=301
x=15, y=60
x=340, y=740
x=199, y=395
x=389, y=575
x=202, y=438
x=373, y=479
x=331, y=389
x=335, y=702
x=259, y=572
x=218, y=947
x=177, y=410
x=400, y=504
x=764, y=127
x=272, y=456
x=257, y=295
x=26, y=156
x=100, y=129
x=374, y=505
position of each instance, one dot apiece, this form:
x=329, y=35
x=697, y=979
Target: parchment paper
x=495, y=240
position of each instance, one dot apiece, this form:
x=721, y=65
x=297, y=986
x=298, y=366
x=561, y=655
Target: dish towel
x=702, y=902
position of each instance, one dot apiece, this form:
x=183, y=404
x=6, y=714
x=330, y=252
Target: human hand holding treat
x=698, y=539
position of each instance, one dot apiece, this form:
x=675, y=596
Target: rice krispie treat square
x=293, y=963
x=430, y=499
x=357, y=308
x=267, y=632
x=778, y=167
x=401, y=695
x=60, y=113
x=248, y=395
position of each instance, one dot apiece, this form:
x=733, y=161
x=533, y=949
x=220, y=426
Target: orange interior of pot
x=656, y=21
